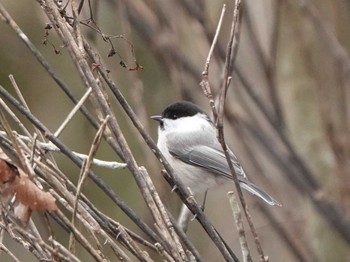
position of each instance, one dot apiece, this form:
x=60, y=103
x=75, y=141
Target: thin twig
x=51, y=147
x=8, y=130
x=15, y=119
x=240, y=227
x=23, y=101
x=7, y=251
x=84, y=172
x=73, y=112
x=205, y=81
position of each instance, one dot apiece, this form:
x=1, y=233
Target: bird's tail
x=253, y=189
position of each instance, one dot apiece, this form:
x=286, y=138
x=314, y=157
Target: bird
x=187, y=139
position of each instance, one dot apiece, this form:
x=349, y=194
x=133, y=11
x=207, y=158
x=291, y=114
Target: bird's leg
x=174, y=188
x=184, y=218
x=204, y=199
x=185, y=215
x=203, y=205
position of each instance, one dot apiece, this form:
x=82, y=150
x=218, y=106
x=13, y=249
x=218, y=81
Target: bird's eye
x=174, y=117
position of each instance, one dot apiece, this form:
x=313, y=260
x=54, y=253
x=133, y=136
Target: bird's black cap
x=181, y=109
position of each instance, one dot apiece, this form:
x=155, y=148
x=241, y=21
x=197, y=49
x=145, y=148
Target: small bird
x=187, y=139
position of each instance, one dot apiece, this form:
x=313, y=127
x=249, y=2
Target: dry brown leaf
x=29, y=194
x=8, y=174
x=15, y=182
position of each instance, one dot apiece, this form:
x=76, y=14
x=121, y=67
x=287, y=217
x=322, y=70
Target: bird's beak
x=157, y=118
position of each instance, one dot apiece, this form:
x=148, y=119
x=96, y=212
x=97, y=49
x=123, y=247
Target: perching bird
x=187, y=139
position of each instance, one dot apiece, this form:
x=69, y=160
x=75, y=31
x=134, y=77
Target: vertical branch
x=84, y=173
x=205, y=74
x=232, y=48
x=240, y=228
x=231, y=53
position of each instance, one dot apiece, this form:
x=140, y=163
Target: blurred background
x=286, y=116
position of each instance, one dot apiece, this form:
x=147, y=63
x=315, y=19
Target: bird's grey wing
x=212, y=158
